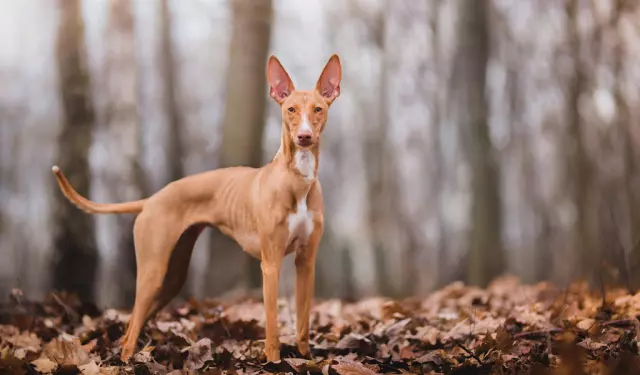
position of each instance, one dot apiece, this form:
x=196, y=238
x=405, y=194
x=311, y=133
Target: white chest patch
x=300, y=222
x=306, y=164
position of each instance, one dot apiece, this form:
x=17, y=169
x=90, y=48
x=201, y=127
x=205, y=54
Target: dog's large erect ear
x=280, y=85
x=328, y=84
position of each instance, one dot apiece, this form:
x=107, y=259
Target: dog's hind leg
x=271, y=263
x=178, y=268
x=155, y=235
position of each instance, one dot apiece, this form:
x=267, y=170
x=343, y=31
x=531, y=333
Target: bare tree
x=243, y=123
x=119, y=176
x=439, y=108
x=629, y=155
x=485, y=258
x=378, y=169
x=174, y=146
x=577, y=167
x=75, y=259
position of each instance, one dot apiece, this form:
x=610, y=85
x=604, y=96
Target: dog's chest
x=249, y=241
x=300, y=223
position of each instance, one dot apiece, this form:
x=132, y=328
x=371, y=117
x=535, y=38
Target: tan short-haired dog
x=270, y=211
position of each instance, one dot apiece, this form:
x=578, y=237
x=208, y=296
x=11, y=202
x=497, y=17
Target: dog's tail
x=91, y=207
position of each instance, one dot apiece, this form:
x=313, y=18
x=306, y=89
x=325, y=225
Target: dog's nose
x=304, y=137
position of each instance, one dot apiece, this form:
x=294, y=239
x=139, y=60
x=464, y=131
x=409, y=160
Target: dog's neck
x=301, y=162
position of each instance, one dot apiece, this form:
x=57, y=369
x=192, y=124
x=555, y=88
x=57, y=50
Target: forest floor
x=507, y=328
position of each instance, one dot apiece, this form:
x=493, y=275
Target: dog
x=270, y=212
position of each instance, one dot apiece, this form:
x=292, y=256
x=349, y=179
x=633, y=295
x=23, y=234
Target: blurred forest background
x=471, y=138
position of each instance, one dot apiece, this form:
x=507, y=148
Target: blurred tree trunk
x=118, y=152
x=75, y=259
x=244, y=117
x=629, y=154
x=439, y=108
x=379, y=171
x=174, y=146
x=577, y=169
x=486, y=258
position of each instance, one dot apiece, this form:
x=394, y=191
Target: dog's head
x=304, y=113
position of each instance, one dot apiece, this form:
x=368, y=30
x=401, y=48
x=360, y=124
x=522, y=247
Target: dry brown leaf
x=428, y=334
x=297, y=363
x=585, y=324
x=392, y=308
x=144, y=355
x=66, y=352
x=434, y=356
x=44, y=365
x=590, y=344
x=88, y=323
x=504, y=341
x=199, y=353
x=90, y=368
x=26, y=340
x=353, y=341
x=90, y=346
x=353, y=368
x=111, y=370
x=376, y=334
x=406, y=352
x=20, y=353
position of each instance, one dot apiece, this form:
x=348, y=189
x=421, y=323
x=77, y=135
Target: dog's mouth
x=304, y=143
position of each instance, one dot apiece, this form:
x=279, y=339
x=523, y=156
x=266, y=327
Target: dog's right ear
x=280, y=85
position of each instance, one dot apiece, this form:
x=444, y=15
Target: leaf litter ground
x=507, y=328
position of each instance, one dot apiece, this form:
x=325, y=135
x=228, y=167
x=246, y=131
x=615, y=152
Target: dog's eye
x=317, y=110
x=291, y=109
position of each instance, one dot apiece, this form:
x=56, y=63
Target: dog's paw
x=126, y=353
x=303, y=348
x=272, y=353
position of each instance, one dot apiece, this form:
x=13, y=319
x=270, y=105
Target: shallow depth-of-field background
x=471, y=139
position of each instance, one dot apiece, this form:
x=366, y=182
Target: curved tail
x=91, y=207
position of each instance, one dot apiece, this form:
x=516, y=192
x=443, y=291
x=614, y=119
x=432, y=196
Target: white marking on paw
x=306, y=164
x=300, y=222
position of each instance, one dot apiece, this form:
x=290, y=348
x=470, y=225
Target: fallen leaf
x=585, y=324
x=66, y=352
x=504, y=341
x=25, y=340
x=353, y=368
x=407, y=352
x=44, y=365
x=356, y=342
x=20, y=353
x=90, y=368
x=590, y=344
x=111, y=370
x=90, y=346
x=199, y=354
x=434, y=356
x=299, y=363
x=141, y=357
x=507, y=326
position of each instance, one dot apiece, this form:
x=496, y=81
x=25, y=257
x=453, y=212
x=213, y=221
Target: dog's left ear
x=280, y=84
x=328, y=84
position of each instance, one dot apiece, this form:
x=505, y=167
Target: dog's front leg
x=271, y=263
x=305, y=273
